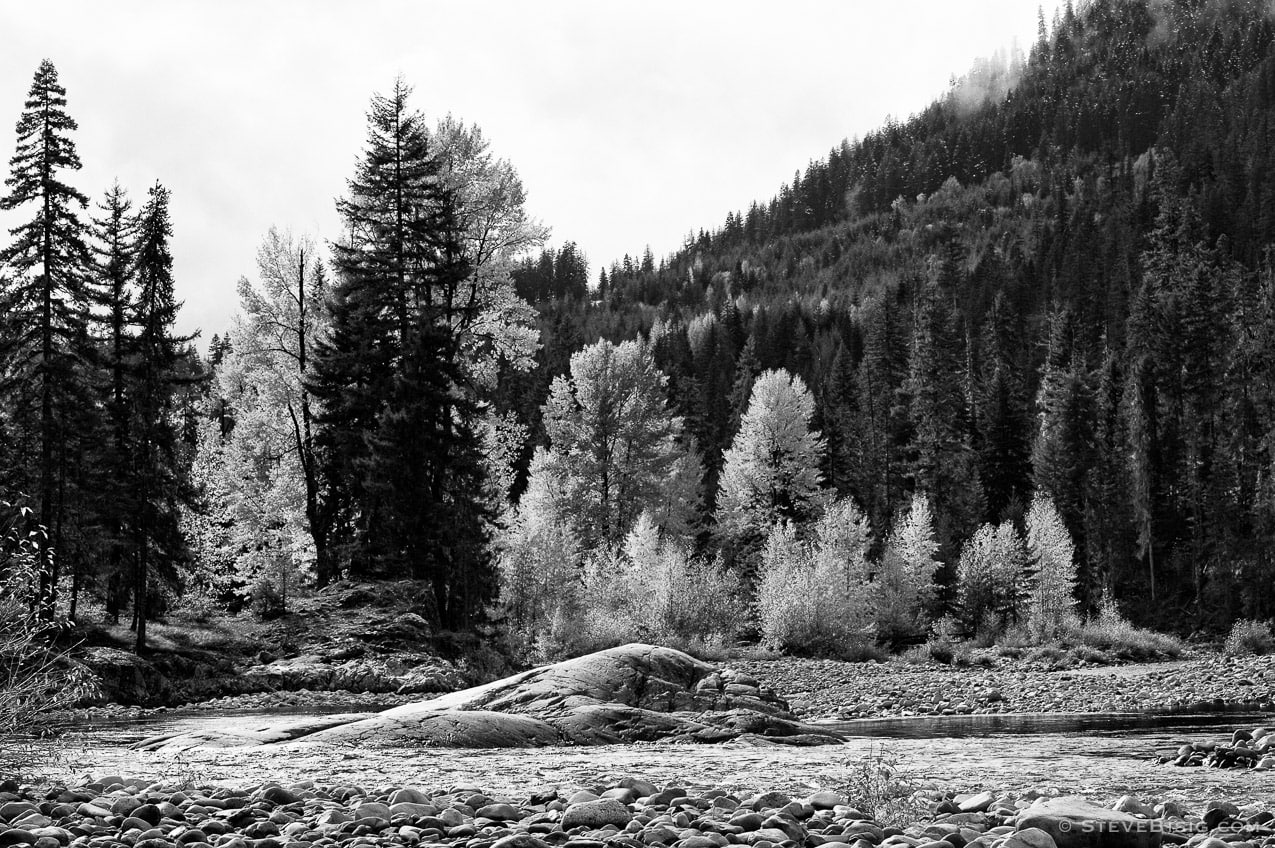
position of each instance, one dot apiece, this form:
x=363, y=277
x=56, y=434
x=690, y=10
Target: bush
x=199, y=605
x=1111, y=634
x=876, y=784
x=940, y=650
x=1249, y=638
x=651, y=590
x=36, y=678
x=814, y=597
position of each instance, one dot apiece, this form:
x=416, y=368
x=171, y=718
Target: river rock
x=979, y=803
x=1077, y=823
x=825, y=800
x=16, y=836
x=498, y=812
x=407, y=795
x=520, y=840
x=1032, y=837
x=595, y=814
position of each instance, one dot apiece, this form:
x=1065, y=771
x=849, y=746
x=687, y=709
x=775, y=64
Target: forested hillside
x=1053, y=279
x=1012, y=356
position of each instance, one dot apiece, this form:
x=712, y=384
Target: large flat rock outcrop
x=627, y=694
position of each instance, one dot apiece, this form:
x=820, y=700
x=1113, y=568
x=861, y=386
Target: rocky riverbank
x=1204, y=682
x=112, y=812
x=1244, y=748
x=833, y=690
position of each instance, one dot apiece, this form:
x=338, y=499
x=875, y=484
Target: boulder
x=632, y=693
x=125, y=678
x=1076, y=823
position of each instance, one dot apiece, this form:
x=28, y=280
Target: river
x=1099, y=755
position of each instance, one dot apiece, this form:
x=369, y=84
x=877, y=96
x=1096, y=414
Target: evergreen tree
x=1003, y=422
x=396, y=375
x=158, y=479
x=1063, y=449
x=945, y=466
x=882, y=423
x=44, y=307
x=115, y=236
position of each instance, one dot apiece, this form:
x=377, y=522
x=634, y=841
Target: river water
x=1099, y=755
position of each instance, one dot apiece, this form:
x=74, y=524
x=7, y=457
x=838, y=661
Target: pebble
x=833, y=689
x=624, y=814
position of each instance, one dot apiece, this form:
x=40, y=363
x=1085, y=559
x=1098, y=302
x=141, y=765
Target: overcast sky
x=629, y=123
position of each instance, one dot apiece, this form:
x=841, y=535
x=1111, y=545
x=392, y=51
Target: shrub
x=1110, y=633
x=540, y=564
x=917, y=655
x=199, y=605
x=1249, y=638
x=36, y=678
x=940, y=650
x=877, y=785
x=966, y=657
x=652, y=590
x=1050, y=655
x=814, y=597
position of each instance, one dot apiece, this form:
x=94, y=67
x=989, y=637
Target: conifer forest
x=1006, y=363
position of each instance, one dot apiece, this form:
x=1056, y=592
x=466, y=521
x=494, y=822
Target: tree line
x=1073, y=300
x=1051, y=286
x=92, y=373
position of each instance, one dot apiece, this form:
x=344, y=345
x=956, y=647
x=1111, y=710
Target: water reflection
x=1020, y=724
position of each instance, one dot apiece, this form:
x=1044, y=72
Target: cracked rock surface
x=633, y=693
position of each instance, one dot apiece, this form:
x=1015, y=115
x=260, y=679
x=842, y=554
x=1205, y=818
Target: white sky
x=630, y=123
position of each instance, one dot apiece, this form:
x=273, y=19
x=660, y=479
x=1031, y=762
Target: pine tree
x=115, y=235
x=158, y=479
x=1063, y=450
x=44, y=303
x=1002, y=418
x=395, y=376
x=882, y=424
x=945, y=466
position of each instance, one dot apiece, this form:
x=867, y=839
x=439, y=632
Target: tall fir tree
x=158, y=368
x=398, y=421
x=944, y=464
x=115, y=237
x=43, y=302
